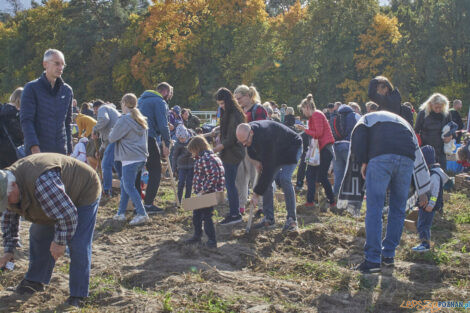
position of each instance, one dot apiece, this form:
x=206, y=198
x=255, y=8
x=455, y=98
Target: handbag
x=312, y=157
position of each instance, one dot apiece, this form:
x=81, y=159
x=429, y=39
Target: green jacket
x=81, y=183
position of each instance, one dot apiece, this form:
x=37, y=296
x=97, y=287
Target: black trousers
x=154, y=167
x=204, y=215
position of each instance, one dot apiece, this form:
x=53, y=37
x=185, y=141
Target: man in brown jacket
x=60, y=196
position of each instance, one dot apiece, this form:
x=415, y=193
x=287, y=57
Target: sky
x=5, y=7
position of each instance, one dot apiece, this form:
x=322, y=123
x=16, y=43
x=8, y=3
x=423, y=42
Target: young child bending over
x=436, y=202
x=208, y=178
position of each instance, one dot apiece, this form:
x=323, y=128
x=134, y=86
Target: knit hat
x=3, y=190
x=177, y=109
x=429, y=154
x=182, y=132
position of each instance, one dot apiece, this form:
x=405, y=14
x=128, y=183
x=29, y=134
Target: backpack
x=338, y=125
x=253, y=111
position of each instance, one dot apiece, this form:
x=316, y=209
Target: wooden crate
x=462, y=181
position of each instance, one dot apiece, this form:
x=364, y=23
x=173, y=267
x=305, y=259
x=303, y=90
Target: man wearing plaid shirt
x=59, y=195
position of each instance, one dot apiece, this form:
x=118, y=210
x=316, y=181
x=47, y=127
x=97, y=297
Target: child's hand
x=428, y=208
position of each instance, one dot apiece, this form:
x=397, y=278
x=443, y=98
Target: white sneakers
x=137, y=220
x=119, y=217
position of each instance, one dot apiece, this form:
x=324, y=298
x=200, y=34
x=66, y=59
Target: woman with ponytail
x=318, y=128
x=130, y=134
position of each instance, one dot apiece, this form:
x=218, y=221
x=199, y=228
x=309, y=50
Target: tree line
x=286, y=48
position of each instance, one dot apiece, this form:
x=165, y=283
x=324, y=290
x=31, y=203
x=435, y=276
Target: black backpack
x=338, y=125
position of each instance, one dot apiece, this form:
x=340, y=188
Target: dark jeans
x=232, y=192
x=301, y=171
x=320, y=173
x=424, y=224
x=154, y=167
x=185, y=178
x=204, y=215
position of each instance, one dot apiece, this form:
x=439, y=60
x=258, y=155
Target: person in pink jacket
x=318, y=128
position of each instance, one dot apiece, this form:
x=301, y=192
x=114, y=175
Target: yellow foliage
x=373, y=55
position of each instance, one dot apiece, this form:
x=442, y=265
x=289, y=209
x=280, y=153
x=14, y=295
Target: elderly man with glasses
x=273, y=148
x=46, y=109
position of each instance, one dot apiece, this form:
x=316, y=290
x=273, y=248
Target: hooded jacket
x=130, y=138
x=438, y=180
x=107, y=117
x=46, y=115
x=154, y=107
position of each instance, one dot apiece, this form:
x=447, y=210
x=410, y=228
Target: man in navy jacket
x=46, y=109
x=273, y=148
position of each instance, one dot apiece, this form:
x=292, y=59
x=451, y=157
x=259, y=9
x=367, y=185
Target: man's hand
x=258, y=166
x=165, y=151
x=218, y=148
x=255, y=200
x=428, y=208
x=57, y=250
x=423, y=201
x=300, y=127
x=447, y=139
x=35, y=149
x=7, y=257
x=364, y=170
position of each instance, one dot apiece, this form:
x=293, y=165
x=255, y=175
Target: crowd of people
x=58, y=185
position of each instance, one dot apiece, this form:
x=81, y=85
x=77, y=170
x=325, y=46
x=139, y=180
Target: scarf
x=351, y=193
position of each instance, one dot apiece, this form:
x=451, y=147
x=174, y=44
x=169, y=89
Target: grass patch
x=210, y=302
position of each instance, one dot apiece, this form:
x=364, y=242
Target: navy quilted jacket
x=46, y=115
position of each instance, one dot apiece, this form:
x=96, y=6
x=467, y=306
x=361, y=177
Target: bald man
x=273, y=148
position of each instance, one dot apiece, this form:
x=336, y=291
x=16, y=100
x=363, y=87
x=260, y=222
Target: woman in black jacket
x=432, y=117
x=231, y=151
x=382, y=92
x=11, y=135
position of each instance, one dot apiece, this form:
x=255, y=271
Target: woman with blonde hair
x=432, y=117
x=248, y=98
x=130, y=134
x=318, y=128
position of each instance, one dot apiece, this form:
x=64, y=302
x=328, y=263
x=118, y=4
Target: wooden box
x=204, y=201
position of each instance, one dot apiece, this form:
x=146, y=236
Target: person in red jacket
x=318, y=128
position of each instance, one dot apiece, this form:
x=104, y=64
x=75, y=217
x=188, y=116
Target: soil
x=148, y=268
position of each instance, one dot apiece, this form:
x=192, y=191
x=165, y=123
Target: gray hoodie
x=130, y=138
x=436, y=184
x=106, y=118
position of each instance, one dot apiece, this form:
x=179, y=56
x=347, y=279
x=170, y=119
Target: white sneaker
x=139, y=219
x=119, y=217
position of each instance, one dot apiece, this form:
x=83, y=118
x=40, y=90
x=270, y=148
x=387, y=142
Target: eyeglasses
x=58, y=64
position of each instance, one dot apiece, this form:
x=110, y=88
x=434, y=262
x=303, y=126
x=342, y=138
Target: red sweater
x=318, y=128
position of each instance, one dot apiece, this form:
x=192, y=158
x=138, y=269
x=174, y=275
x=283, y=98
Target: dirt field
x=149, y=269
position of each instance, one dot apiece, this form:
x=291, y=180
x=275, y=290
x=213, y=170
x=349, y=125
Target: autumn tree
x=375, y=56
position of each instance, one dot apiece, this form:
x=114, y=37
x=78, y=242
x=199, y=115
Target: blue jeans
x=339, y=163
x=284, y=173
x=41, y=262
x=386, y=171
x=128, y=189
x=424, y=224
x=107, y=167
x=185, y=178
x=232, y=192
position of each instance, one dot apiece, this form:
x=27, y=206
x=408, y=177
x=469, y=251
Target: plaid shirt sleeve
x=10, y=229
x=56, y=204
